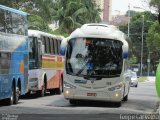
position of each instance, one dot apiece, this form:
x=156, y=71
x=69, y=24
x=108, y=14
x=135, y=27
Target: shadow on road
x=35, y=95
x=95, y=104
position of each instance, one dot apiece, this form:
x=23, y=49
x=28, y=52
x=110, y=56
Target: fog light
x=116, y=94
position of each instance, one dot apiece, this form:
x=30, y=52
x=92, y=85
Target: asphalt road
x=142, y=100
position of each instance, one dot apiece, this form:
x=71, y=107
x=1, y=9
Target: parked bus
x=13, y=54
x=96, y=64
x=45, y=63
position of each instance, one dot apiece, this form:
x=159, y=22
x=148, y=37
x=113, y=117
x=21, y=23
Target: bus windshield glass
x=93, y=57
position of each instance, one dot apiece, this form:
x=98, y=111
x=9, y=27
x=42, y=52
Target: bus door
x=34, y=53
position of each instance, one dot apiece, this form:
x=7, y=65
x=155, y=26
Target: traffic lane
x=141, y=100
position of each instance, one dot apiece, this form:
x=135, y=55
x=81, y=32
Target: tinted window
x=4, y=63
x=55, y=46
x=2, y=22
x=94, y=57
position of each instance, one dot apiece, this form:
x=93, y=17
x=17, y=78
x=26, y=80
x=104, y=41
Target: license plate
x=91, y=94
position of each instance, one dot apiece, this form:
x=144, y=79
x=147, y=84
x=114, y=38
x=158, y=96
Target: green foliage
x=153, y=38
x=37, y=23
x=156, y=4
x=59, y=32
x=136, y=36
x=69, y=13
x=133, y=59
x=73, y=13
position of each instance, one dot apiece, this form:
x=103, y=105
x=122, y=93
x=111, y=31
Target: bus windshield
x=93, y=57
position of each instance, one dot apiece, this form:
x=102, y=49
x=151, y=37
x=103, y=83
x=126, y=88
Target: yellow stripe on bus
x=51, y=64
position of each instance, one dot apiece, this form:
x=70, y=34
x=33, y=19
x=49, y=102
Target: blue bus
x=13, y=54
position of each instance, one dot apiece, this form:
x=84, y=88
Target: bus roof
x=13, y=10
x=37, y=33
x=97, y=30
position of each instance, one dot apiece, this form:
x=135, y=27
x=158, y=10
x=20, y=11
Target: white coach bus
x=96, y=64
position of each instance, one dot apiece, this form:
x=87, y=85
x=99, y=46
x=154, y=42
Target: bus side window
x=49, y=45
x=55, y=46
x=44, y=43
x=59, y=43
x=8, y=22
x=52, y=46
x=4, y=63
x=18, y=24
x=2, y=23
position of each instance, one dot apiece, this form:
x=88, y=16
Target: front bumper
x=133, y=83
x=113, y=96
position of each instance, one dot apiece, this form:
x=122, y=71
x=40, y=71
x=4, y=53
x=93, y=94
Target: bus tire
x=125, y=98
x=73, y=102
x=28, y=93
x=42, y=92
x=9, y=101
x=16, y=95
x=60, y=89
x=52, y=91
x=136, y=85
x=118, y=104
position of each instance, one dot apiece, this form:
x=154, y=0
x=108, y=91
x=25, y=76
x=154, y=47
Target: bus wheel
x=73, y=102
x=118, y=104
x=42, y=92
x=9, y=101
x=16, y=94
x=52, y=91
x=60, y=89
x=125, y=98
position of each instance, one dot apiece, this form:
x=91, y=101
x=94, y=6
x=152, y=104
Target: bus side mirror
x=125, y=51
x=63, y=46
x=43, y=49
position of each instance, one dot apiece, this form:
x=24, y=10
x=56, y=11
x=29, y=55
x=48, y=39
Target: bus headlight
x=67, y=85
x=117, y=87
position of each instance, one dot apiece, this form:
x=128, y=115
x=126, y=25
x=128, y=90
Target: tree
x=70, y=14
x=156, y=4
x=73, y=13
x=37, y=23
x=153, y=42
x=136, y=33
x=40, y=12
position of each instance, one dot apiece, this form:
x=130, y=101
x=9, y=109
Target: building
x=106, y=7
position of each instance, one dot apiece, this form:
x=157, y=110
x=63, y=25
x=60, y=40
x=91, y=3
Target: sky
x=121, y=6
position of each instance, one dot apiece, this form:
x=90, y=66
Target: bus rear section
x=45, y=63
x=95, y=69
x=13, y=54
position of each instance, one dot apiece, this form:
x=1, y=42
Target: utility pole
x=142, y=44
x=128, y=20
x=148, y=60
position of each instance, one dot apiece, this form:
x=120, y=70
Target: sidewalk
x=151, y=79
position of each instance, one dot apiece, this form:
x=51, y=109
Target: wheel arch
x=44, y=79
